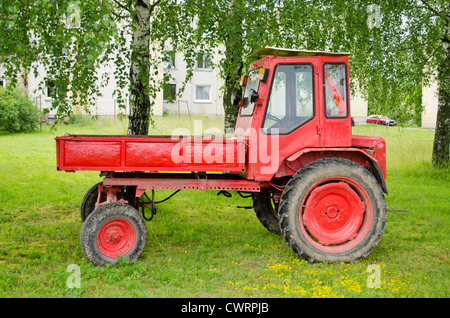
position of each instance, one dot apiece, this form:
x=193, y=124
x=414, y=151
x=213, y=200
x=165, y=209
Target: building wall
x=107, y=104
x=3, y=79
x=430, y=104
x=189, y=103
x=358, y=108
x=37, y=92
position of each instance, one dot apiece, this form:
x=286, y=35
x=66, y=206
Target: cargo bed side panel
x=99, y=153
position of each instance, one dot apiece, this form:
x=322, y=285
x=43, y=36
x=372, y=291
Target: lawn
x=200, y=244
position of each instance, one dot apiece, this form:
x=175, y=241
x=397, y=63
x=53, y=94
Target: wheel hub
x=116, y=237
x=333, y=213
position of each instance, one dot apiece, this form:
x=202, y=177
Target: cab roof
x=291, y=52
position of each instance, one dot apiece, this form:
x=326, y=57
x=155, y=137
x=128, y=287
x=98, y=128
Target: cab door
x=289, y=123
x=335, y=109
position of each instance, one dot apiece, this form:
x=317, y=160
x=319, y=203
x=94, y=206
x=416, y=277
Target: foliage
x=17, y=112
x=72, y=40
x=68, y=44
x=395, y=46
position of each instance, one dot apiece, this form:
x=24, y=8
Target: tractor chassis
x=130, y=188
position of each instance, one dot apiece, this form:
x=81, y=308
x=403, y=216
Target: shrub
x=17, y=112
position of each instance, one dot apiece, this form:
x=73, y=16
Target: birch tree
x=397, y=46
x=74, y=39
x=239, y=27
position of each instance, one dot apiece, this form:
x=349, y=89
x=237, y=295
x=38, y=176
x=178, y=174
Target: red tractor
x=292, y=150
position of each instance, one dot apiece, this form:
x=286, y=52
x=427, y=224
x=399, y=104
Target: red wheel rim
x=116, y=237
x=336, y=215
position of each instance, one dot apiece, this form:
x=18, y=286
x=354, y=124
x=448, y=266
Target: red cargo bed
x=149, y=153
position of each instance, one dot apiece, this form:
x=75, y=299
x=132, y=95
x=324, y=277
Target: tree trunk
x=140, y=104
x=233, y=77
x=233, y=65
x=442, y=134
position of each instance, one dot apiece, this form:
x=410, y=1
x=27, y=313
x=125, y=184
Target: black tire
x=266, y=212
x=309, y=230
x=111, y=232
x=88, y=202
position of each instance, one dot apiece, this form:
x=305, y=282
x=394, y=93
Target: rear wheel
x=332, y=210
x=266, y=210
x=113, y=231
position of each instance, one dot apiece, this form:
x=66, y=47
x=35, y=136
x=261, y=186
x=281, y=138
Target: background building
x=202, y=94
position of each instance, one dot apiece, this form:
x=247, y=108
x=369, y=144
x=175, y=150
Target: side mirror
x=253, y=96
x=235, y=99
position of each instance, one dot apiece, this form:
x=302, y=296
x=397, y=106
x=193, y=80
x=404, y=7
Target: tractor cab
x=296, y=105
x=286, y=90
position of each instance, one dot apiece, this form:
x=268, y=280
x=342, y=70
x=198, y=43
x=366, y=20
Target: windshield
x=252, y=83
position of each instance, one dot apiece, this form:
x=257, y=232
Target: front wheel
x=91, y=197
x=89, y=200
x=332, y=210
x=111, y=232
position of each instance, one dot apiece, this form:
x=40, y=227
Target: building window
x=169, y=59
x=203, y=61
x=50, y=89
x=2, y=82
x=202, y=93
x=170, y=92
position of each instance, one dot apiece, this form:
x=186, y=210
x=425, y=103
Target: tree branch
x=119, y=15
x=141, y=3
x=431, y=55
x=154, y=5
x=120, y=5
x=401, y=48
x=439, y=13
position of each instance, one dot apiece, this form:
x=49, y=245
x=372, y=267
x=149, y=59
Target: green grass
x=202, y=245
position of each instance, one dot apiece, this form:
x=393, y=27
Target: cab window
x=252, y=83
x=335, y=86
x=291, y=100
